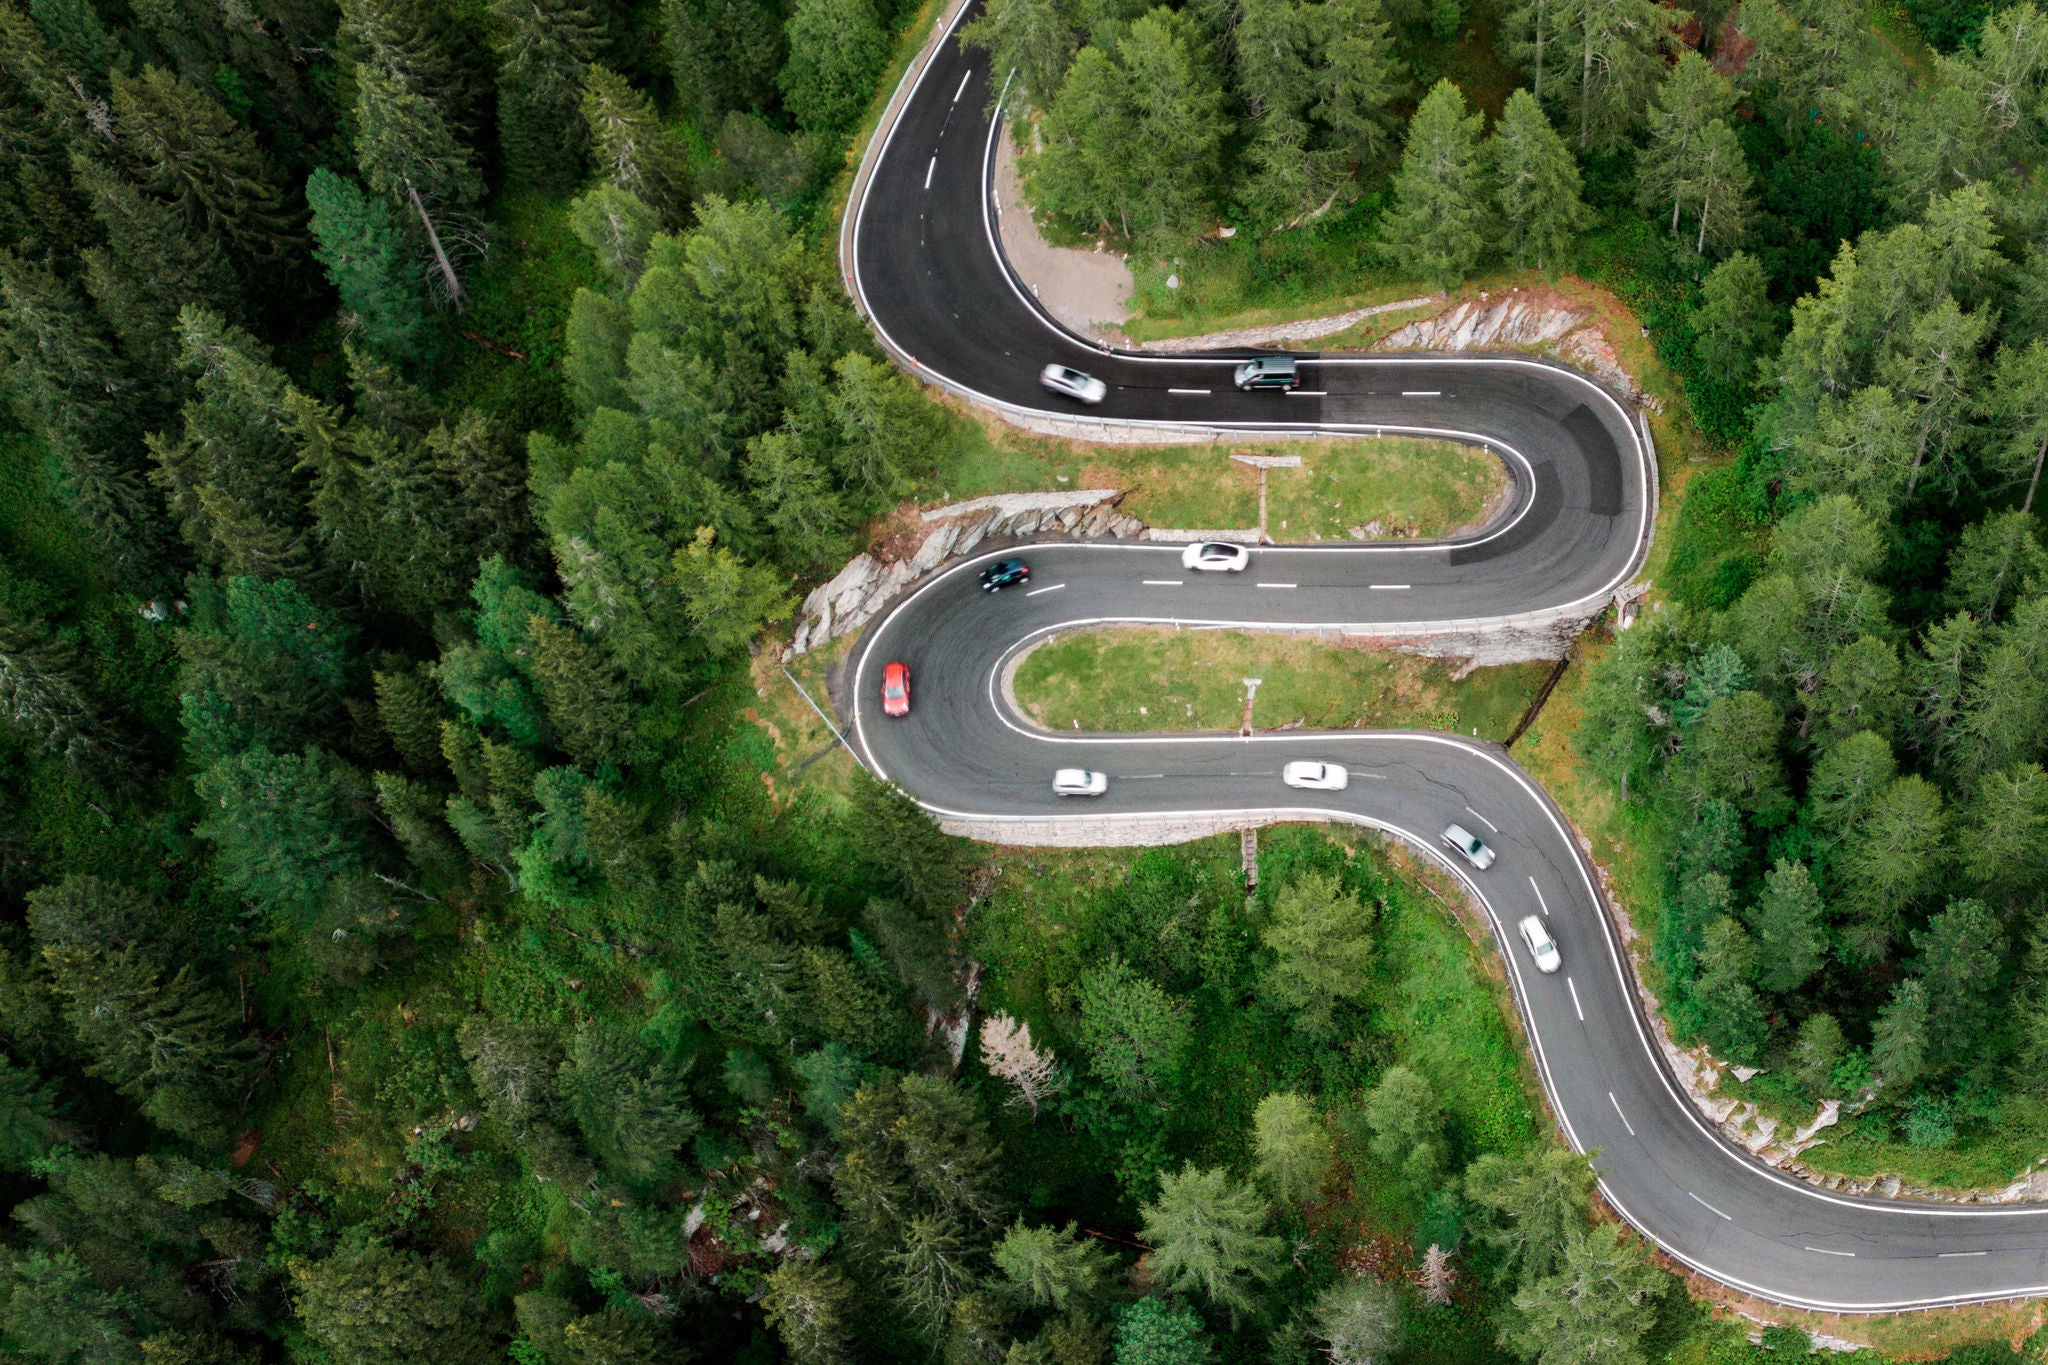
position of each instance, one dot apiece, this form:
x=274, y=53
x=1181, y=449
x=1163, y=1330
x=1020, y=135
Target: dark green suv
x=1004, y=573
x=1268, y=372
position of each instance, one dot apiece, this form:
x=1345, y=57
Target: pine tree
x=631, y=1100
x=1539, y=1203
x=812, y=1308
x=1814, y=1055
x=723, y=54
x=1204, y=1233
x=1321, y=939
x=423, y=45
x=1031, y=1070
x=1035, y=40
x=367, y=263
x=1597, y=1306
x=1720, y=190
x=588, y=702
x=1898, y=1043
x=1613, y=56
x=1536, y=184
x=1085, y=172
x=1137, y=1036
x=230, y=476
x=1433, y=232
x=283, y=825
x=1359, y=1320
x=1051, y=1268
x=43, y=696
x=1360, y=80
x=618, y=227
x=1787, y=918
x=1691, y=99
x=836, y=49
x=632, y=148
x=368, y=1304
x=154, y=1031
x=1292, y=1146
x=409, y=711
x=545, y=47
x=1407, y=1125
x=726, y=599
x=2008, y=859
x=193, y=154
x=2017, y=404
x=1736, y=321
x=1180, y=122
x=1158, y=1331
x=410, y=153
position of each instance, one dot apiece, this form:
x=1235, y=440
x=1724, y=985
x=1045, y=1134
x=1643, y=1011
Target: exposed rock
x=1281, y=333
x=1513, y=322
x=870, y=581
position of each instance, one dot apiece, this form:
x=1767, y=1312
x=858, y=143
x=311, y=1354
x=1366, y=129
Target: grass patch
x=1158, y=679
x=1408, y=487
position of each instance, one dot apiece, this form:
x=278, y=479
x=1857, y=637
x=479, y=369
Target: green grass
x=1160, y=679
x=1410, y=487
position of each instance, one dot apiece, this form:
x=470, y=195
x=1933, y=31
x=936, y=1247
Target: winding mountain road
x=923, y=262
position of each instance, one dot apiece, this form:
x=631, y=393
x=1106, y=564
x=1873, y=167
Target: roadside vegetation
x=1368, y=488
x=1142, y=678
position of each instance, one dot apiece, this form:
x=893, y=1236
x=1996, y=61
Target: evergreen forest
x=418, y=413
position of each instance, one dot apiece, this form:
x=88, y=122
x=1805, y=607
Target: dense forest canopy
x=414, y=411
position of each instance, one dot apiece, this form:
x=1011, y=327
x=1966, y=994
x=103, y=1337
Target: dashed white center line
x=1422, y=393
x=1575, y=999
x=1308, y=393
x=1708, y=1207
x=966, y=77
x=1823, y=1251
x=1162, y=582
x=1482, y=819
x=1539, y=897
x=931, y=170
x=1952, y=1255
x=1054, y=588
x=1190, y=392
x=1388, y=587
x=1618, y=1114
x=1273, y=585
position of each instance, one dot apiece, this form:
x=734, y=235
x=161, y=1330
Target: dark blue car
x=1003, y=573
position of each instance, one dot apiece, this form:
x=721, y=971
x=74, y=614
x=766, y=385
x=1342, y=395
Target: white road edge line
x=1482, y=819
x=965, y=77
x=1190, y=392
x=1618, y=1114
x=1539, y=897
x=1054, y=588
x=931, y=170
x=1708, y=1207
x=1575, y=999
x=1823, y=1251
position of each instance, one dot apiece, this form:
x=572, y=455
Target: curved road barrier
x=924, y=265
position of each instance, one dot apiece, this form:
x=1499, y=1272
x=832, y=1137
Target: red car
x=896, y=690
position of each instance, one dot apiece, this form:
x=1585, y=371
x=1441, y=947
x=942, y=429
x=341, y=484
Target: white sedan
x=1079, y=782
x=1316, y=777
x=1072, y=383
x=1542, y=946
x=1215, y=556
x=1464, y=841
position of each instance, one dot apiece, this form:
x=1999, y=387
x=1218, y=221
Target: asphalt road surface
x=925, y=267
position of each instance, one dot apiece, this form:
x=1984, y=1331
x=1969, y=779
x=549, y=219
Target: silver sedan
x=1071, y=383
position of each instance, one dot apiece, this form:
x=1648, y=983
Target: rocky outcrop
x=872, y=579
x=1514, y=321
x=1280, y=334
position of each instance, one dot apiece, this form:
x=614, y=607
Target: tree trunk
x=447, y=268
x=1701, y=249
x=1538, y=92
x=2034, y=483
x=1677, y=202
x=1586, y=89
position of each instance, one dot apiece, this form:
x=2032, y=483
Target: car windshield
x=1472, y=844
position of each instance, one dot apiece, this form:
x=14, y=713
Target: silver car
x=1079, y=782
x=1071, y=383
x=1316, y=777
x=1542, y=946
x=1466, y=842
x=1216, y=556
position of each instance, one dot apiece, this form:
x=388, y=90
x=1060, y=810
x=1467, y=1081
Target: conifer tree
x=545, y=48
x=1536, y=184
x=1359, y=81
x=1787, y=919
x=368, y=1304
x=411, y=154
x=723, y=54
x=1204, y=1232
x=422, y=45
x=1736, y=320
x=191, y=153
x=1433, y=232
x=366, y=261
x=43, y=696
x=1035, y=39
x=812, y=1307
x=836, y=49
x=1692, y=98
x=632, y=148
x=587, y=700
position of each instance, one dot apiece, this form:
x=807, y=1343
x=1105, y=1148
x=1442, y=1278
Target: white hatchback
x=1542, y=946
x=1079, y=782
x=1215, y=556
x=1316, y=777
x=1064, y=379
